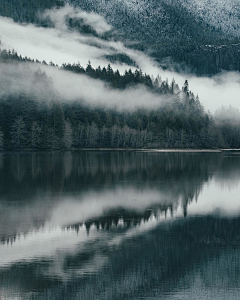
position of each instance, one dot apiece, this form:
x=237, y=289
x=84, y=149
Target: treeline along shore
x=48, y=121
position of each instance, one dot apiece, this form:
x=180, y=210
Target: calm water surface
x=119, y=225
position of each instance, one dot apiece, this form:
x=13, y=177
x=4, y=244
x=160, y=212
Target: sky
x=60, y=45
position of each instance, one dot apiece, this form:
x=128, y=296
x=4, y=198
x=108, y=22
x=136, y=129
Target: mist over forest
x=107, y=110
x=119, y=149
x=77, y=82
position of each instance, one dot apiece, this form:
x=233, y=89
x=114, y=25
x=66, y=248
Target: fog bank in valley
x=24, y=79
x=61, y=44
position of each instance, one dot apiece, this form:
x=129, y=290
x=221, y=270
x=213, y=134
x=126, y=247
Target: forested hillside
x=227, y=119
x=203, y=60
x=26, y=10
x=200, y=36
x=50, y=122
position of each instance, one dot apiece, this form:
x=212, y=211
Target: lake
x=119, y=225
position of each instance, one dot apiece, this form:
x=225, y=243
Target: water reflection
x=110, y=225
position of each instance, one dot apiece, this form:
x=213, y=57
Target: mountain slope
x=26, y=10
x=185, y=32
x=152, y=22
x=222, y=15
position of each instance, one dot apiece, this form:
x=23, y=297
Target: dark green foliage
x=29, y=122
x=25, y=10
x=113, y=78
x=228, y=121
x=203, y=60
x=171, y=34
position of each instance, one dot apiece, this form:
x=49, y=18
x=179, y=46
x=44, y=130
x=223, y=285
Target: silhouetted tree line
x=114, y=78
x=56, y=124
x=118, y=218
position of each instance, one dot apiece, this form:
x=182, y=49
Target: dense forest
x=27, y=122
x=179, y=38
x=26, y=11
x=203, y=60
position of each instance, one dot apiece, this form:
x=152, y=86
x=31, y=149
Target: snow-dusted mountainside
x=169, y=21
x=224, y=15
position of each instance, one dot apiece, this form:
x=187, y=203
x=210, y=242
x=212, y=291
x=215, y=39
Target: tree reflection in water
x=110, y=225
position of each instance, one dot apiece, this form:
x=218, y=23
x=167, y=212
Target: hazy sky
x=62, y=45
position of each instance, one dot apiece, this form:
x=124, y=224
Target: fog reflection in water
x=119, y=225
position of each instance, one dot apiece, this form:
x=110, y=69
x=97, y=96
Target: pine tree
x=186, y=87
x=53, y=141
x=18, y=133
x=1, y=139
x=35, y=138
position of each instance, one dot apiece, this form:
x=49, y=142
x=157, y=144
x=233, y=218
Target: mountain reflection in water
x=119, y=225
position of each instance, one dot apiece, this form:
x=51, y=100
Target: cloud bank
x=59, y=16
x=60, y=44
x=22, y=78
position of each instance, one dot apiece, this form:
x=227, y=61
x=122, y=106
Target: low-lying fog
x=60, y=44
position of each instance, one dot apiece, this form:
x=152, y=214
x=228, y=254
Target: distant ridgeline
x=30, y=121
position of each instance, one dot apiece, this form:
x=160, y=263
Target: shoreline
x=127, y=149
x=153, y=150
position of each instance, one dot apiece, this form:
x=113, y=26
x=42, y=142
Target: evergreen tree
x=35, y=138
x=185, y=87
x=1, y=139
x=19, y=133
x=55, y=123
